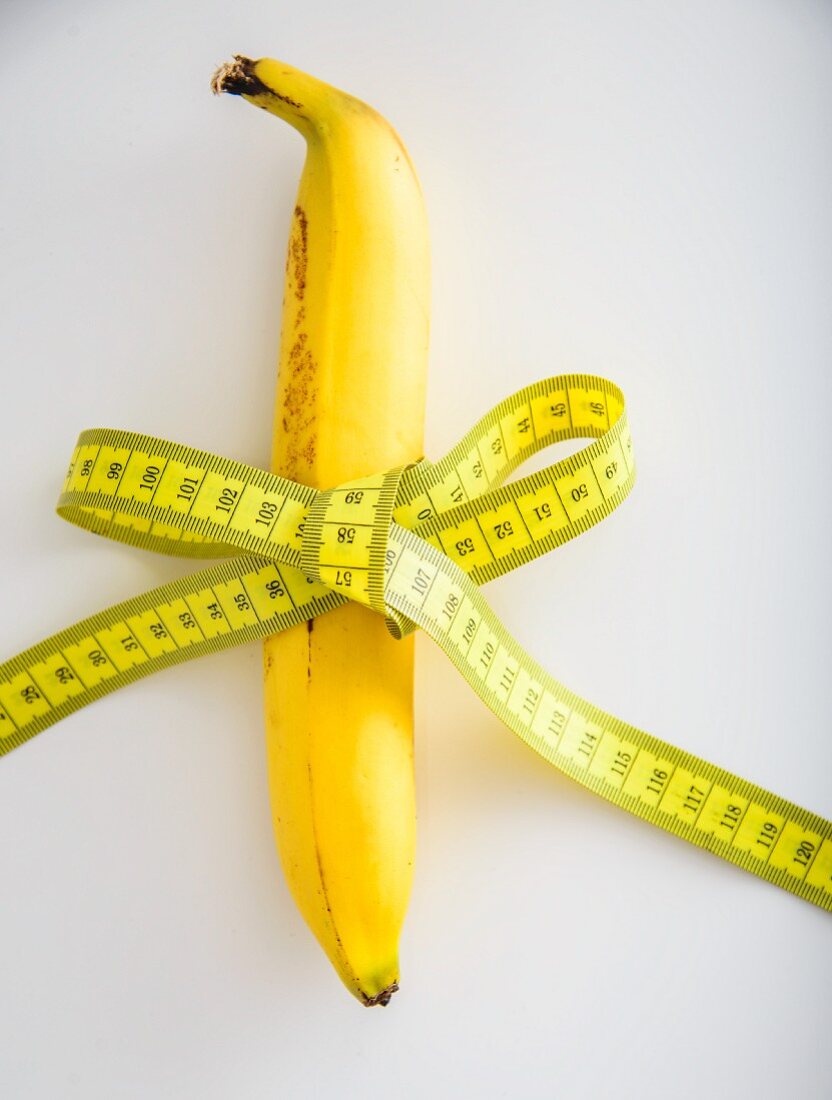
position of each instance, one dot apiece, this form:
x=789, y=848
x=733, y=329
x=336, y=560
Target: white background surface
x=636, y=189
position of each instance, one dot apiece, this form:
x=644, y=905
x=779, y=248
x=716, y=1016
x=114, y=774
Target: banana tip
x=237, y=78
x=382, y=998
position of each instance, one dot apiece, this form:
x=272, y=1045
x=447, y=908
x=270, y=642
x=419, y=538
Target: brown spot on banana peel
x=237, y=77
x=299, y=249
x=298, y=400
x=298, y=404
x=300, y=392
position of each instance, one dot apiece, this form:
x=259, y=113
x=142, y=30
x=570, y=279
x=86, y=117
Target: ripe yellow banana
x=350, y=402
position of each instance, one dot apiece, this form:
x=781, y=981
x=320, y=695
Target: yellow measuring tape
x=414, y=544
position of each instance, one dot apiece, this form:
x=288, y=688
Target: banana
x=350, y=402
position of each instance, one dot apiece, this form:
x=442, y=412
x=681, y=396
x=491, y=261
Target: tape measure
x=414, y=544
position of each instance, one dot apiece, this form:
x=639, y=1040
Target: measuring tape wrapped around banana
x=404, y=548
x=413, y=544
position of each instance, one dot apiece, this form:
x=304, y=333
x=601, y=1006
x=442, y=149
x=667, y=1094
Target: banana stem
x=237, y=77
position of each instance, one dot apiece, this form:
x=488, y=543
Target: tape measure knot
x=345, y=538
